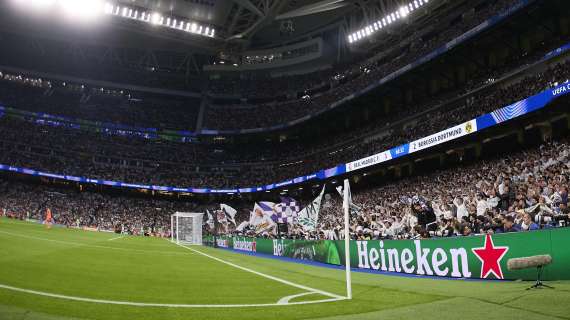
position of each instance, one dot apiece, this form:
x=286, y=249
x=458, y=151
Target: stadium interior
x=427, y=123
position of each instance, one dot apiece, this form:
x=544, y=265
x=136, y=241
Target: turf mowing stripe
x=89, y=245
x=324, y=293
x=165, y=305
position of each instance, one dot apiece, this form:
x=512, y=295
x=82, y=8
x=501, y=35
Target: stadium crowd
x=92, y=154
x=114, y=106
x=126, y=214
x=340, y=83
x=524, y=191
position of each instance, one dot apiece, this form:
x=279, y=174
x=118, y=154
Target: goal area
x=186, y=228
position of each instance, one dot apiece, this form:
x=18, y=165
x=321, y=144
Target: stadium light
x=402, y=12
x=40, y=4
x=156, y=18
x=108, y=8
x=82, y=9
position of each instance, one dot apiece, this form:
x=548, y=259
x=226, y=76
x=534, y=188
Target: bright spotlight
x=82, y=8
x=155, y=18
x=403, y=12
x=40, y=4
x=108, y=8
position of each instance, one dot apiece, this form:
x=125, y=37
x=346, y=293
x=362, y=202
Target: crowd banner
x=443, y=136
x=477, y=257
x=369, y=161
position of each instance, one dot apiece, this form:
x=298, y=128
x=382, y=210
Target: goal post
x=186, y=228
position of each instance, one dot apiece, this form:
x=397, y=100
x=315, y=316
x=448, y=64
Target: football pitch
x=64, y=274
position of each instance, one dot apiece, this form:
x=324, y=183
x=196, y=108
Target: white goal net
x=186, y=227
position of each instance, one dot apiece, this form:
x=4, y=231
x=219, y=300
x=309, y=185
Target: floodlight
x=108, y=8
x=40, y=3
x=403, y=11
x=155, y=18
x=82, y=9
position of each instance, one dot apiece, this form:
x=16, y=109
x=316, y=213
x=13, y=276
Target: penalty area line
x=289, y=283
x=162, y=305
x=87, y=245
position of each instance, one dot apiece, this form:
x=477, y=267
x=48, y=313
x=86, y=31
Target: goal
x=186, y=228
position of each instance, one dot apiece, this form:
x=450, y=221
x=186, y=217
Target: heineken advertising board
x=462, y=257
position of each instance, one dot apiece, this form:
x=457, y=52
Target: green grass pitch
x=62, y=274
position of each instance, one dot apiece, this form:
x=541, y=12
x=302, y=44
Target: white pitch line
x=115, y=238
x=87, y=245
x=160, y=305
x=324, y=293
x=285, y=300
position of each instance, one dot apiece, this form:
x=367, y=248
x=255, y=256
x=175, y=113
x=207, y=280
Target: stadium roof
x=259, y=20
x=240, y=24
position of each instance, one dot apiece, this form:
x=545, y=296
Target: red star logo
x=490, y=257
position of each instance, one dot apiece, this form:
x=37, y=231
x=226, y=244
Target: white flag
x=230, y=212
x=309, y=216
x=260, y=218
x=210, y=220
x=351, y=205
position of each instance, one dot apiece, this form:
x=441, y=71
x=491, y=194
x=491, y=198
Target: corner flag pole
x=346, y=208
